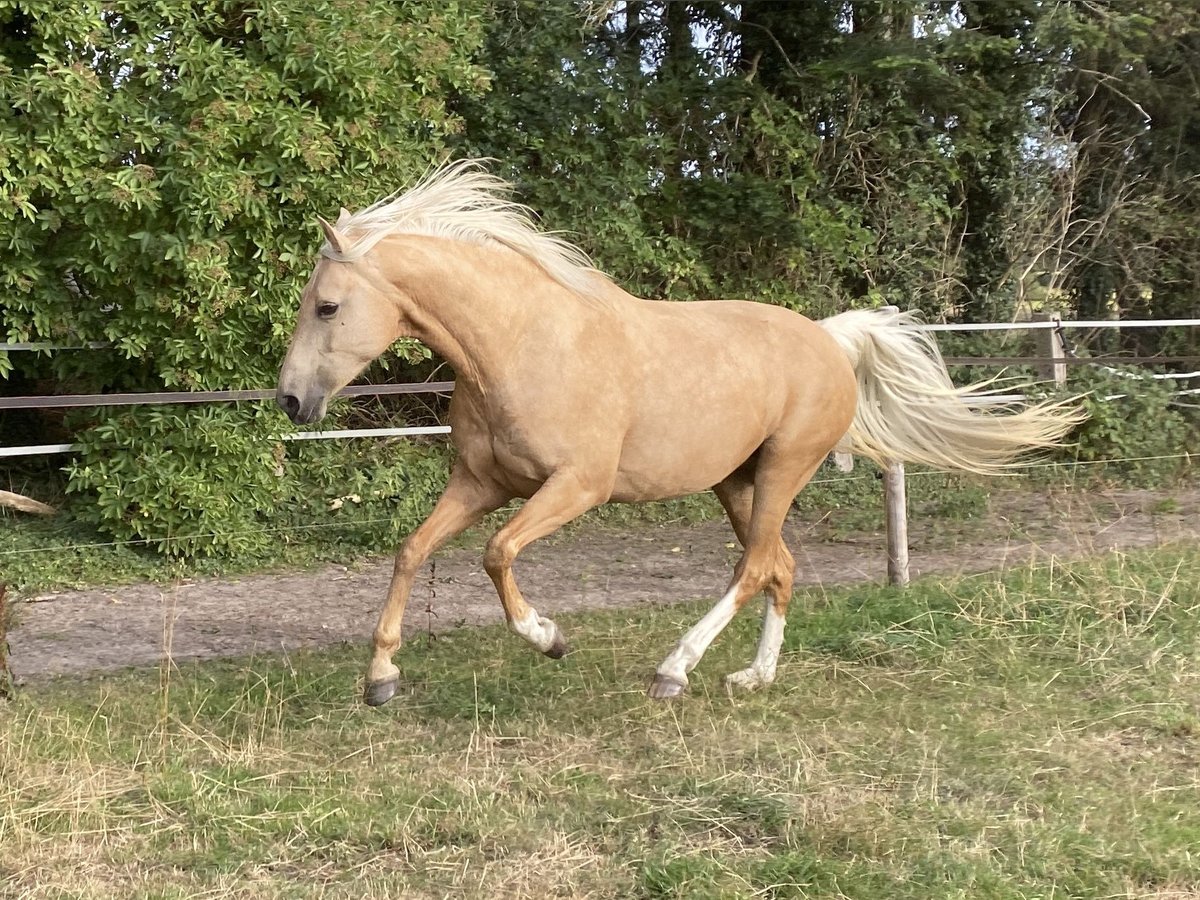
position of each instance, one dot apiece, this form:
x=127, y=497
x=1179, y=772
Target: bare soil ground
x=591, y=567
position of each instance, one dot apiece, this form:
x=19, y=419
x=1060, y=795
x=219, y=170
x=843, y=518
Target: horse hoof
x=378, y=693
x=559, y=648
x=663, y=687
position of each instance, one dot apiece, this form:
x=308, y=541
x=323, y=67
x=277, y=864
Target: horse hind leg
x=736, y=494
x=670, y=680
x=761, y=671
x=757, y=510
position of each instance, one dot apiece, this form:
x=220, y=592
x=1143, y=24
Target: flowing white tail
x=910, y=411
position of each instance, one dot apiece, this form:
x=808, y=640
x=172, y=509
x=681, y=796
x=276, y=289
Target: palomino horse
x=571, y=392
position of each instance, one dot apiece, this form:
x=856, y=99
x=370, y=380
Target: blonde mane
x=462, y=201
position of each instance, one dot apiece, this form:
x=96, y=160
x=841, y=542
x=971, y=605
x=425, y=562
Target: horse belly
x=671, y=457
x=636, y=484
x=724, y=379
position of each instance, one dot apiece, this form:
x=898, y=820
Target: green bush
x=163, y=164
x=188, y=481
x=219, y=481
x=160, y=192
x=1132, y=419
x=371, y=493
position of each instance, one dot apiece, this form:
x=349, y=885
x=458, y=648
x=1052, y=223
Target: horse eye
x=327, y=310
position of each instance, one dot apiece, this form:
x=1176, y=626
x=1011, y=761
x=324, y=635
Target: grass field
x=1031, y=735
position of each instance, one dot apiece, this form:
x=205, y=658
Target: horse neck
x=471, y=304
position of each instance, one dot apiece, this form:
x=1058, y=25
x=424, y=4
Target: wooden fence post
x=895, y=505
x=1050, y=346
x=7, y=690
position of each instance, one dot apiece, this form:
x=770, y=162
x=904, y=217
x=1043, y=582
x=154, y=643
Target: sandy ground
x=81, y=632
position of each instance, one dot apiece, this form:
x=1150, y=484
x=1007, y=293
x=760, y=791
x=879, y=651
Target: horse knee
x=408, y=558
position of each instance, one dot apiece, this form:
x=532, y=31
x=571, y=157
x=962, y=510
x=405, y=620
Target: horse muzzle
x=301, y=411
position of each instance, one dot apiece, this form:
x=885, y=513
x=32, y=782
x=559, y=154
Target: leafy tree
x=162, y=165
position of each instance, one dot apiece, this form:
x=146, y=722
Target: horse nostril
x=290, y=405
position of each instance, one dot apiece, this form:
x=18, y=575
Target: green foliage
x=190, y=481
x=218, y=481
x=793, y=155
x=160, y=192
x=371, y=495
x=162, y=167
x=1132, y=417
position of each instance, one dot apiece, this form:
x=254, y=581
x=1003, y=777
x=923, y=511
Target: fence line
x=36, y=450
x=366, y=432
x=1069, y=360
x=414, y=431
x=1157, y=376
x=283, y=529
x=47, y=346
x=1058, y=323
x=68, y=401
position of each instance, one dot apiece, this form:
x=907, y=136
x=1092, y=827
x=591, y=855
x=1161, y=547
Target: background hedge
x=161, y=164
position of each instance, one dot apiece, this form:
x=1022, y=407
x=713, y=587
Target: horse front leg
x=563, y=497
x=465, y=501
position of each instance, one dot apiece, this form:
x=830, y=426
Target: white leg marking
x=762, y=670
x=537, y=630
x=693, y=644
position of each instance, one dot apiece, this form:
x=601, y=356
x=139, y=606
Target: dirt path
x=80, y=632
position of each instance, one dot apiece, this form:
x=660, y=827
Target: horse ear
x=332, y=235
x=343, y=217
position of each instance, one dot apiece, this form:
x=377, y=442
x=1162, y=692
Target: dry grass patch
x=1031, y=735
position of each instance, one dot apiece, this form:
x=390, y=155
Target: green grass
x=1032, y=735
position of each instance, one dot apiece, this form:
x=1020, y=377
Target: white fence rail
x=77, y=400
x=1053, y=350
x=1060, y=323
x=162, y=398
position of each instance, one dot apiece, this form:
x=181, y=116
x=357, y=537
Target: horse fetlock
x=541, y=632
x=749, y=679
